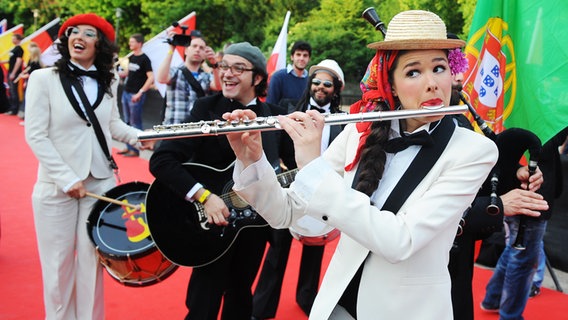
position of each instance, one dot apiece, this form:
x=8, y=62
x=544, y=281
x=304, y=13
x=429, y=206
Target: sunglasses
x=88, y=33
x=327, y=84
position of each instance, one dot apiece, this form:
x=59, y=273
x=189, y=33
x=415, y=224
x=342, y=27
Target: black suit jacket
x=215, y=151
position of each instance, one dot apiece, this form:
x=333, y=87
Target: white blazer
x=405, y=273
x=66, y=148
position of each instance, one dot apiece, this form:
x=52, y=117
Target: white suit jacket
x=66, y=148
x=405, y=273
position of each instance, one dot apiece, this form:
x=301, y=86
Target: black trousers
x=269, y=286
x=229, y=278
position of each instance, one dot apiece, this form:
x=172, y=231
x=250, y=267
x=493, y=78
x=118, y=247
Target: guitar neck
x=286, y=178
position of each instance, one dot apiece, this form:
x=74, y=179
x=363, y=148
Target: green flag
x=518, y=65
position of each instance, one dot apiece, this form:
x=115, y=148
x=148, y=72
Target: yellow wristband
x=204, y=196
x=171, y=51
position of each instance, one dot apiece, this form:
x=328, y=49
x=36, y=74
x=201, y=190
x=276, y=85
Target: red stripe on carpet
x=21, y=289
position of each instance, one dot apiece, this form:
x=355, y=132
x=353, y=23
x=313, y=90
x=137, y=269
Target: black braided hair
x=373, y=155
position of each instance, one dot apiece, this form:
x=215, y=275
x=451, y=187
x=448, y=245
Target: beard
x=323, y=101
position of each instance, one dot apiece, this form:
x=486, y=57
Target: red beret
x=91, y=19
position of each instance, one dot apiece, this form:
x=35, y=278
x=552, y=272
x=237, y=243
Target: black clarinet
x=492, y=208
x=519, y=243
x=480, y=122
x=370, y=14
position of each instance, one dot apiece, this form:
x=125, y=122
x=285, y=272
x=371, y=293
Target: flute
x=217, y=127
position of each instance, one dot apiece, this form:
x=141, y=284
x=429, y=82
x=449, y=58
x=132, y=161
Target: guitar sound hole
x=237, y=202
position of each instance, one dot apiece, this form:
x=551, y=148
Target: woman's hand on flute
x=247, y=145
x=305, y=129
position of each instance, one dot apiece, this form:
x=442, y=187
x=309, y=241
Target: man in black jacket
x=323, y=92
x=243, y=78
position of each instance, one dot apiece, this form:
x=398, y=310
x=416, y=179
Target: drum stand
x=552, y=273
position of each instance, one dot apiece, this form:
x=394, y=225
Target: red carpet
x=20, y=274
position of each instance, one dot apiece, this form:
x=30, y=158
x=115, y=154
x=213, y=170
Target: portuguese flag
x=518, y=65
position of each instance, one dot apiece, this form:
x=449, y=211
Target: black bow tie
x=321, y=110
x=418, y=138
x=80, y=72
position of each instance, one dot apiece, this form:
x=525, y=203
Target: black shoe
x=489, y=309
x=131, y=154
x=11, y=113
x=535, y=291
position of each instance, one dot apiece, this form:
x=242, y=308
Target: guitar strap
x=89, y=109
x=418, y=169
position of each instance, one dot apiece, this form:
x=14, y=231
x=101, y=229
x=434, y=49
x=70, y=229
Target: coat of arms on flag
x=489, y=78
x=517, y=65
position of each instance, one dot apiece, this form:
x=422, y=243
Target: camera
x=180, y=40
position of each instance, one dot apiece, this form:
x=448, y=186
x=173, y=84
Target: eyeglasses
x=88, y=33
x=236, y=69
x=326, y=83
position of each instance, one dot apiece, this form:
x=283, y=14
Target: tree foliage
x=334, y=28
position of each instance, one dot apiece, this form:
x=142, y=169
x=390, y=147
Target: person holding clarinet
x=508, y=290
x=485, y=215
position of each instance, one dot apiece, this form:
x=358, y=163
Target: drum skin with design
x=122, y=238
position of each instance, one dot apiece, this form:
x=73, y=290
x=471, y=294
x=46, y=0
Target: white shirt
x=326, y=129
x=91, y=87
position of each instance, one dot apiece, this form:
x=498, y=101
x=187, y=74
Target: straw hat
x=414, y=30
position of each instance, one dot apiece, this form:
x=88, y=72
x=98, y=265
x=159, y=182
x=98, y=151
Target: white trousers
x=72, y=276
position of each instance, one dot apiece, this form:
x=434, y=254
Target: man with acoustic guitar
x=229, y=274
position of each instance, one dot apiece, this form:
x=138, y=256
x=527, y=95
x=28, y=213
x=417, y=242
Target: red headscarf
x=376, y=88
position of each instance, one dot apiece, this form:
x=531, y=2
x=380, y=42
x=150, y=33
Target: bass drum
x=122, y=238
x=311, y=232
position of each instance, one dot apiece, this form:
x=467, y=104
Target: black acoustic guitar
x=179, y=228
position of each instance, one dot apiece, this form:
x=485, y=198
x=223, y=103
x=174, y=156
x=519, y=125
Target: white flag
x=277, y=59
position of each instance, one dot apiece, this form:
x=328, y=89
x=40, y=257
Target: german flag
x=43, y=37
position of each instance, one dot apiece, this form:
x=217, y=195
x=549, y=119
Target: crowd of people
x=396, y=190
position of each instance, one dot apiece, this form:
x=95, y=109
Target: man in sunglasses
x=285, y=88
x=229, y=277
x=322, y=92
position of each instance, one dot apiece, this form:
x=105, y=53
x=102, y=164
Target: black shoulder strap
x=193, y=82
x=95, y=122
x=66, y=83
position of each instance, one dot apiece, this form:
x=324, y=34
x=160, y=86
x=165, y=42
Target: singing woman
x=60, y=131
x=398, y=209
